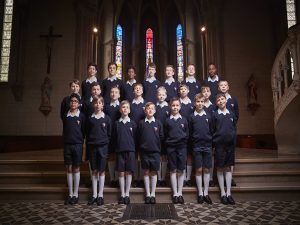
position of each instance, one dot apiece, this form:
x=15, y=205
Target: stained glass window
x=290, y=12
x=119, y=44
x=149, y=47
x=6, y=38
x=179, y=50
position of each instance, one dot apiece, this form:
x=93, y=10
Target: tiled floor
x=241, y=213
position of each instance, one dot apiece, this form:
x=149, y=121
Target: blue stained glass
x=119, y=44
x=179, y=49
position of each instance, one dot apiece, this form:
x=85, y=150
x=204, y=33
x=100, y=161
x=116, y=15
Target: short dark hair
x=151, y=65
x=130, y=67
x=75, y=95
x=75, y=81
x=95, y=84
x=92, y=64
x=174, y=99
x=112, y=63
x=220, y=95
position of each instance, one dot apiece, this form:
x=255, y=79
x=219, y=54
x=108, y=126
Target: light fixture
x=203, y=28
x=95, y=30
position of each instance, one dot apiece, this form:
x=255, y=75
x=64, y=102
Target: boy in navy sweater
x=150, y=136
x=162, y=113
x=73, y=135
x=113, y=111
x=170, y=84
x=98, y=137
x=111, y=81
x=86, y=85
x=186, y=110
x=191, y=82
x=128, y=86
x=176, y=136
x=150, y=84
x=124, y=133
x=212, y=81
x=232, y=104
x=224, y=136
x=87, y=105
x=65, y=104
x=201, y=131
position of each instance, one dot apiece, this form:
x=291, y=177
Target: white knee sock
x=206, y=177
x=153, y=185
x=228, y=177
x=173, y=178
x=76, y=183
x=180, y=181
x=199, y=184
x=70, y=183
x=221, y=182
x=122, y=186
x=111, y=170
x=164, y=170
x=188, y=172
x=128, y=184
x=101, y=185
x=147, y=185
x=184, y=173
x=94, y=185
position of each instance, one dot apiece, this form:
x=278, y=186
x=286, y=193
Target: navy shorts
x=202, y=157
x=98, y=157
x=125, y=161
x=73, y=154
x=150, y=161
x=177, y=157
x=225, y=155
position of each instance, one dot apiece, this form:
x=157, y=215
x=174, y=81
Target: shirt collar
x=164, y=103
x=125, y=120
x=91, y=79
x=199, y=114
x=137, y=101
x=150, y=120
x=101, y=115
x=207, y=104
x=131, y=83
x=76, y=114
x=112, y=78
x=223, y=112
x=213, y=80
x=170, y=80
x=176, y=117
x=115, y=103
x=227, y=95
x=190, y=79
x=185, y=101
x=151, y=79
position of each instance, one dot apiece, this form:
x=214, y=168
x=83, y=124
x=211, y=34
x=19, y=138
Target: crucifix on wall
x=49, y=38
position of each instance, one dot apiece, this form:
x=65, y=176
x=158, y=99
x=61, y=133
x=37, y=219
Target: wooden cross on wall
x=49, y=38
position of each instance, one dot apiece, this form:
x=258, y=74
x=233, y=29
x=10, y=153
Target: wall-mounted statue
x=46, y=89
x=252, y=95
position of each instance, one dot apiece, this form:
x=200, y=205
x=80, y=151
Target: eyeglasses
x=74, y=101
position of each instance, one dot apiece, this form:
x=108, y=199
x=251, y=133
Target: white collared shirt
x=91, y=80
x=223, y=112
x=176, y=117
x=185, y=101
x=152, y=119
x=227, y=96
x=112, y=78
x=115, y=103
x=190, y=79
x=76, y=114
x=199, y=114
x=170, y=80
x=91, y=98
x=151, y=79
x=131, y=83
x=207, y=104
x=125, y=120
x=101, y=115
x=164, y=103
x=138, y=101
x=213, y=80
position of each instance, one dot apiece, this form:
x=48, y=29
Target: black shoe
x=74, y=200
x=126, y=200
x=184, y=183
x=152, y=200
x=230, y=200
x=163, y=183
x=148, y=200
x=211, y=183
x=100, y=201
x=200, y=199
x=180, y=199
x=233, y=184
x=207, y=199
x=68, y=200
x=92, y=201
x=224, y=200
x=134, y=184
x=189, y=183
x=158, y=183
x=121, y=200
x=175, y=199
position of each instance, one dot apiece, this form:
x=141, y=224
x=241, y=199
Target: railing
x=285, y=72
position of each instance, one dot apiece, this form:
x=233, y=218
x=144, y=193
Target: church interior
x=46, y=44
